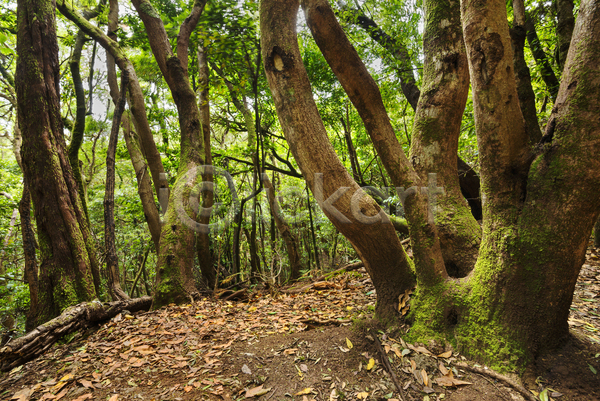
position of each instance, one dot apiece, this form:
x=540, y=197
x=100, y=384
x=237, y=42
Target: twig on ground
x=388, y=367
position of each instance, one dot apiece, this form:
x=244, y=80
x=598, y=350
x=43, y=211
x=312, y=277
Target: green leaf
x=544, y=395
x=593, y=369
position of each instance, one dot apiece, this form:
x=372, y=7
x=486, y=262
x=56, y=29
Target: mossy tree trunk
x=174, y=276
x=539, y=204
x=68, y=268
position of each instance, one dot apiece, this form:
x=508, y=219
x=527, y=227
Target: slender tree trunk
x=31, y=267
x=564, y=30
x=135, y=95
x=524, y=88
x=79, y=125
x=68, y=270
x=290, y=240
x=132, y=141
x=394, y=46
x=11, y=227
x=112, y=261
x=203, y=238
x=354, y=164
x=541, y=59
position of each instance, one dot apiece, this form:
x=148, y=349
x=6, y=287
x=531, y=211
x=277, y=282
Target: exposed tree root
x=497, y=376
x=40, y=339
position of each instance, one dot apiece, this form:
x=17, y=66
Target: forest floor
x=316, y=344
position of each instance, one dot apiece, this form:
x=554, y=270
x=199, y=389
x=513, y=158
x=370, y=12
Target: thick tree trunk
x=516, y=304
x=364, y=94
x=68, y=270
x=436, y=131
x=74, y=318
x=358, y=220
x=174, y=276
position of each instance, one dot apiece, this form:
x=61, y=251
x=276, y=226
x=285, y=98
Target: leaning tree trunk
x=144, y=182
x=353, y=213
x=68, y=269
x=366, y=97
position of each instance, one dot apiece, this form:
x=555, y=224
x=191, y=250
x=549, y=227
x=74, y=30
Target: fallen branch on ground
x=74, y=318
x=388, y=367
x=315, y=322
x=320, y=279
x=497, y=376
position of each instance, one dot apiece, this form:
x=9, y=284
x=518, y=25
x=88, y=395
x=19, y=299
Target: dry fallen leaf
x=307, y=390
x=446, y=354
x=257, y=391
x=448, y=380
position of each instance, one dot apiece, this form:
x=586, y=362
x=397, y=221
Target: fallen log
x=74, y=318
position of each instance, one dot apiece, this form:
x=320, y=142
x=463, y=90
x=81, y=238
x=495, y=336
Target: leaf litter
x=224, y=350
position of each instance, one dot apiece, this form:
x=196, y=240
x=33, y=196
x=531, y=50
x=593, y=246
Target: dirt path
x=294, y=346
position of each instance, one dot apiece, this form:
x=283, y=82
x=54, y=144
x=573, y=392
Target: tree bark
x=516, y=303
x=376, y=243
x=364, y=94
x=112, y=261
x=135, y=96
x=31, y=266
x=203, y=238
x=68, y=271
x=564, y=30
x=36, y=342
x=436, y=131
x=524, y=88
x=290, y=240
x=174, y=277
